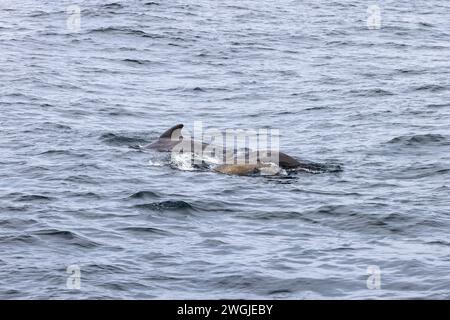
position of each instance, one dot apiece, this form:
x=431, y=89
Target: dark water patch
x=83, y=166
x=38, y=14
x=211, y=243
x=411, y=71
x=317, y=108
x=110, y=268
x=12, y=293
x=138, y=61
x=281, y=113
x=113, y=5
x=62, y=153
x=362, y=219
x=432, y=223
x=82, y=179
x=117, y=112
x=18, y=223
x=123, y=286
x=283, y=179
x=264, y=285
x=438, y=106
x=215, y=206
x=420, y=171
x=34, y=197
x=273, y=216
x=431, y=88
x=22, y=208
x=121, y=30
x=377, y=92
x=121, y=140
x=420, y=140
x=18, y=239
x=425, y=24
x=442, y=188
x=134, y=61
x=167, y=206
x=87, y=195
x=55, y=126
x=439, y=243
x=329, y=193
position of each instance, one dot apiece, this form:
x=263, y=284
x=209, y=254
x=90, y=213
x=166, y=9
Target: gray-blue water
x=72, y=192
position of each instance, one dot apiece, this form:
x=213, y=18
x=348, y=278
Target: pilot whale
x=172, y=140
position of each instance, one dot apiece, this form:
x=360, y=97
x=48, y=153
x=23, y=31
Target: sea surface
x=365, y=85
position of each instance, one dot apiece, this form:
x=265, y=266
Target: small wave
x=317, y=108
x=274, y=215
x=343, y=217
x=82, y=178
x=166, y=205
x=113, y=5
x=34, y=197
x=55, y=152
x=439, y=242
x=122, y=30
x=420, y=139
x=17, y=223
x=104, y=268
x=328, y=193
x=426, y=24
x=137, y=61
x=144, y=195
x=286, y=113
x=147, y=230
x=58, y=126
x=68, y=236
x=91, y=195
x=23, y=238
x=431, y=87
x=418, y=172
x=443, y=105
x=134, y=61
x=38, y=14
x=372, y=92
x=410, y=71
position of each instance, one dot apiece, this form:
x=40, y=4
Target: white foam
x=270, y=169
x=182, y=161
x=155, y=163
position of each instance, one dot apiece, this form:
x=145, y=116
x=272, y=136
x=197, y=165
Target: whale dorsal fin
x=171, y=133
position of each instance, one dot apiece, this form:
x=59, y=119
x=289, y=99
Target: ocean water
x=83, y=216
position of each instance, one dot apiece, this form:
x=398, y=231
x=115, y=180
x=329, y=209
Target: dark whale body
x=172, y=139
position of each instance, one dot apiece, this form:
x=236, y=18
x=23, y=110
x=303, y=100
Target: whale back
x=280, y=158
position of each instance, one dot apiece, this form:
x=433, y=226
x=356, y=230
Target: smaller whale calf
x=239, y=169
